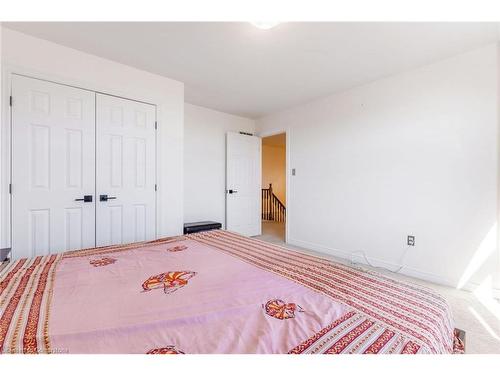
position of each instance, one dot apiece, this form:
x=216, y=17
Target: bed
x=213, y=292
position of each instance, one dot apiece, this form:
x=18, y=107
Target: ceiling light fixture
x=265, y=25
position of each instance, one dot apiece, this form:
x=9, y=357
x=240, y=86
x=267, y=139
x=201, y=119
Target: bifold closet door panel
x=126, y=171
x=53, y=166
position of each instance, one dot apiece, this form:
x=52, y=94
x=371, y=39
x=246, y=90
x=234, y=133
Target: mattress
x=213, y=292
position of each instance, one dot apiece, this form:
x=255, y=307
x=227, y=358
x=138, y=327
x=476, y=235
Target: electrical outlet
x=410, y=240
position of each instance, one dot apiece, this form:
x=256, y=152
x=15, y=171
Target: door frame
x=286, y=131
x=8, y=70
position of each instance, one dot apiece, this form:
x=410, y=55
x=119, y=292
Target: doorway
x=273, y=210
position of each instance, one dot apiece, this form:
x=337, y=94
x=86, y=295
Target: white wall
x=3, y=191
x=416, y=153
x=35, y=57
x=205, y=161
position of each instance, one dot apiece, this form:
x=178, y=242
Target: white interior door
x=53, y=165
x=126, y=171
x=243, y=184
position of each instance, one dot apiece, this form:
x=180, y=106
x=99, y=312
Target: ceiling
x=236, y=68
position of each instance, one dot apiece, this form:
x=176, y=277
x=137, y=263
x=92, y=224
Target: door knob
x=231, y=191
x=86, y=198
x=105, y=197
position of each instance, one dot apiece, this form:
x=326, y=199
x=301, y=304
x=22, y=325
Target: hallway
x=274, y=188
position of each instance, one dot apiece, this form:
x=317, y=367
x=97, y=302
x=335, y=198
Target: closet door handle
x=105, y=197
x=86, y=198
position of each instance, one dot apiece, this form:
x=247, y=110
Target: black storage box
x=4, y=254
x=201, y=226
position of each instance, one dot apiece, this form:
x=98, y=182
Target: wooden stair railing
x=272, y=208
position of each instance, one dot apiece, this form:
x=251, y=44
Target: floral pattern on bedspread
x=281, y=310
x=175, y=249
x=101, y=262
x=166, y=350
x=170, y=281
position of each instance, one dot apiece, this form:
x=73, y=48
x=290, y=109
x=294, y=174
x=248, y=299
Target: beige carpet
x=481, y=325
x=273, y=232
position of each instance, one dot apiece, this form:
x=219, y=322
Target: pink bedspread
x=212, y=292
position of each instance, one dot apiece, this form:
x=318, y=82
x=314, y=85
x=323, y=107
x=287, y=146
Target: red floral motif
x=177, y=248
x=280, y=310
x=170, y=281
x=102, y=261
x=166, y=350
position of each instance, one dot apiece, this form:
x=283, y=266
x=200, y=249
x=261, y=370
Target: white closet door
x=126, y=163
x=53, y=165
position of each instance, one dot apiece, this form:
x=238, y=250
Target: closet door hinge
x=156, y=125
x=156, y=187
x=10, y=188
x=10, y=100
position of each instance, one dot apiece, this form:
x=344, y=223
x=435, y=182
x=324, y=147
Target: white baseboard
x=496, y=293
x=348, y=256
x=471, y=287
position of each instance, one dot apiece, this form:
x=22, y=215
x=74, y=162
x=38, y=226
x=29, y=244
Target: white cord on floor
x=384, y=268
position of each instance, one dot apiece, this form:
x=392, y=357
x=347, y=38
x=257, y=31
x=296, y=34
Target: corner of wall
x=496, y=278
x=2, y=95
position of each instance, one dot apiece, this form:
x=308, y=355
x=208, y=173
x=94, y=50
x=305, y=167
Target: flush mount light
x=265, y=25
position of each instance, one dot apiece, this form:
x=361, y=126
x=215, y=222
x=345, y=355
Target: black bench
x=201, y=226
